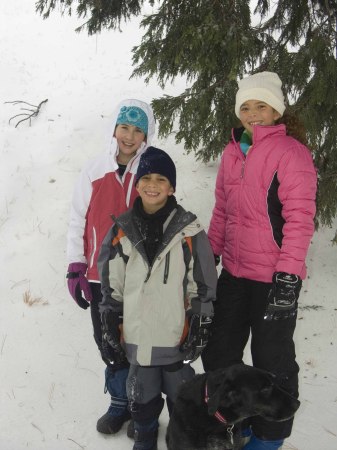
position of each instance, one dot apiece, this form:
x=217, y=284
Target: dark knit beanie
x=154, y=160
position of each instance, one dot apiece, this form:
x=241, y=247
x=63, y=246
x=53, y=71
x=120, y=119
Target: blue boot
x=115, y=383
x=258, y=444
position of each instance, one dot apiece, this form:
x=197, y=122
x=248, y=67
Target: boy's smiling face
x=154, y=190
x=129, y=140
x=256, y=112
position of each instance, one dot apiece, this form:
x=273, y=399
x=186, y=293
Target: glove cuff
x=285, y=277
x=74, y=269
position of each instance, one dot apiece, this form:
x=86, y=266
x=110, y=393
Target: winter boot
x=146, y=435
x=112, y=421
x=130, y=431
x=131, y=427
x=258, y=444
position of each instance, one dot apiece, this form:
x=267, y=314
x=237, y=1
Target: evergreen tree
x=101, y=14
x=213, y=43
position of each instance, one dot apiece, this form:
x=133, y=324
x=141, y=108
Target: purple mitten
x=77, y=282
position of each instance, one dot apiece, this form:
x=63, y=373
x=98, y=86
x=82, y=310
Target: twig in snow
x=328, y=431
x=69, y=439
x=28, y=115
x=39, y=429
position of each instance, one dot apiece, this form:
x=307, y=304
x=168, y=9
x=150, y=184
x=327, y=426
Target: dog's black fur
x=237, y=392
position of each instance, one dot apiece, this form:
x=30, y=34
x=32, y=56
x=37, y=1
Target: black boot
x=110, y=424
x=146, y=435
x=145, y=418
x=130, y=431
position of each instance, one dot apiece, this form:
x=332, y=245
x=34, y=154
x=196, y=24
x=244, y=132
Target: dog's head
x=242, y=391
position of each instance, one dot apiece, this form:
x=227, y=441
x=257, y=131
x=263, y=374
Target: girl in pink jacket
x=261, y=227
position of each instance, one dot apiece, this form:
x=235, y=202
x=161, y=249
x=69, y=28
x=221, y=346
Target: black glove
x=283, y=296
x=112, y=349
x=197, y=337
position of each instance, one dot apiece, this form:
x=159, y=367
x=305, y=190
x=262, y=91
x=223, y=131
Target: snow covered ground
x=51, y=389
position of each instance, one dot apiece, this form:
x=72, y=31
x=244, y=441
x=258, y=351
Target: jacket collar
x=179, y=219
x=260, y=132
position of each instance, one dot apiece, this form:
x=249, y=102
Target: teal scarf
x=245, y=142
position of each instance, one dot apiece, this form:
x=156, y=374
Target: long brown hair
x=294, y=126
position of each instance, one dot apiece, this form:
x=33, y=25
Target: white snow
x=51, y=374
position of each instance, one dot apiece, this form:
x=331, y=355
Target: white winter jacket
x=100, y=193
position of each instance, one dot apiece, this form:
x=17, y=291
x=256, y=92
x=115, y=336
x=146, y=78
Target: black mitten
x=112, y=349
x=197, y=337
x=283, y=296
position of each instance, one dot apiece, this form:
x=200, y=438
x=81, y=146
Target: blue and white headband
x=132, y=115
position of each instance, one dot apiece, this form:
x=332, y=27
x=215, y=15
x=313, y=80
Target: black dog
x=208, y=407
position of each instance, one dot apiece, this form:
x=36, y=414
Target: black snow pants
x=238, y=311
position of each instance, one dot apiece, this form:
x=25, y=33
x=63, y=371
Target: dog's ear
x=215, y=386
x=219, y=395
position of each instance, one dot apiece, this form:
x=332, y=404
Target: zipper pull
x=148, y=275
x=243, y=168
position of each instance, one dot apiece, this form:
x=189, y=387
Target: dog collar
x=217, y=414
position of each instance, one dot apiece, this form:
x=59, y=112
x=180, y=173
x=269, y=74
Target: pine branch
x=31, y=112
x=213, y=44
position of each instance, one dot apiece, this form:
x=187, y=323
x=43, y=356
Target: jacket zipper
x=243, y=168
x=167, y=267
x=238, y=228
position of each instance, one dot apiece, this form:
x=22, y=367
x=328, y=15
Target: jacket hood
x=113, y=147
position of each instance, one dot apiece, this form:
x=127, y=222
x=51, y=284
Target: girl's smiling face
x=256, y=112
x=129, y=140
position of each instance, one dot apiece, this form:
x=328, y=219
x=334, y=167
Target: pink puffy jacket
x=262, y=221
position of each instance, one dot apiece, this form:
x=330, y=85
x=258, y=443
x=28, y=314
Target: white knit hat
x=263, y=86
